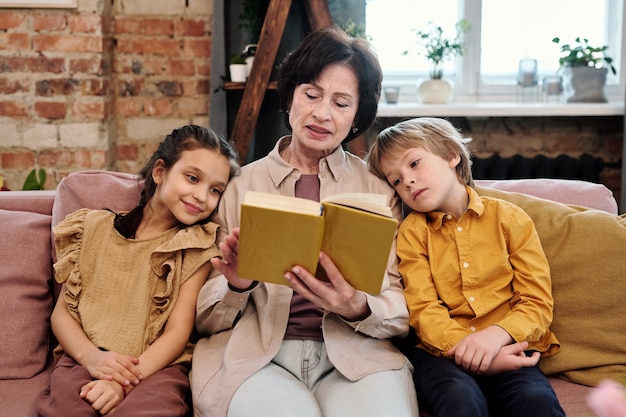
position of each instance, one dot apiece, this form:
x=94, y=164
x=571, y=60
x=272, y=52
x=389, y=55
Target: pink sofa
x=27, y=285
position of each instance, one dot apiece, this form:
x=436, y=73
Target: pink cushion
x=580, y=193
x=25, y=279
x=96, y=190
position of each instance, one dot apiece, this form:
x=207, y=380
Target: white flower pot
x=238, y=72
x=435, y=91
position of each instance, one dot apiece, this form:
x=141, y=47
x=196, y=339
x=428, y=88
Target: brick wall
x=97, y=87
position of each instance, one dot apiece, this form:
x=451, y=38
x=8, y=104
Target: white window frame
x=472, y=87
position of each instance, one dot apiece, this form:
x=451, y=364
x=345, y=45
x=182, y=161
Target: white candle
x=528, y=78
x=552, y=85
x=391, y=94
x=527, y=73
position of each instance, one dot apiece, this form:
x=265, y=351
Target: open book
x=277, y=232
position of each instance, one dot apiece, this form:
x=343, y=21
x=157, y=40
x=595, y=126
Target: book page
x=282, y=202
x=374, y=203
x=358, y=242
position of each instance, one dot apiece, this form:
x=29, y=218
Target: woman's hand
x=336, y=295
x=227, y=265
x=104, y=396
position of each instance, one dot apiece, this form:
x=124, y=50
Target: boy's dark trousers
x=446, y=390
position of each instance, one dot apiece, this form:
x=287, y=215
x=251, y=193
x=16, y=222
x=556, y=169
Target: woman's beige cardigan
x=242, y=332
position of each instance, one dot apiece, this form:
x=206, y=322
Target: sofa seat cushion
x=18, y=396
x=585, y=249
x=25, y=282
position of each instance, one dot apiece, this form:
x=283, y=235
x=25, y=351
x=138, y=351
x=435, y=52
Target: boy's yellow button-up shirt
x=486, y=267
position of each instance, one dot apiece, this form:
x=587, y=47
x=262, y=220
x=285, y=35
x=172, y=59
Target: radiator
x=495, y=167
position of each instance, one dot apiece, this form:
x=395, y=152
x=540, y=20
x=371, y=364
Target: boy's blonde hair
x=436, y=135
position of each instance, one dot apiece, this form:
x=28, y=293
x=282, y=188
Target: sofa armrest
x=34, y=201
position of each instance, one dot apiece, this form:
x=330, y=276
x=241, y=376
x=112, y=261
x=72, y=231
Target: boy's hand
x=113, y=366
x=512, y=357
x=104, y=396
x=476, y=351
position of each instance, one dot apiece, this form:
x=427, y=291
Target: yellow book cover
x=276, y=232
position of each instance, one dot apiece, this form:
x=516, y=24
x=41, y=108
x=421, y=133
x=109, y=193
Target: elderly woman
x=310, y=349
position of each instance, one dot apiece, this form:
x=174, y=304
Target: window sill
x=499, y=109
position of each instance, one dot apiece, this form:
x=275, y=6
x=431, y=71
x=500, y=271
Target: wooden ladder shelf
x=264, y=58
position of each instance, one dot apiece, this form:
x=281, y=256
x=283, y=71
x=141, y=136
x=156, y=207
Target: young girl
x=131, y=281
x=477, y=282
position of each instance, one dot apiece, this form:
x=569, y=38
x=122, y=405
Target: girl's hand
x=104, y=396
x=113, y=366
x=476, y=351
x=336, y=295
x=228, y=264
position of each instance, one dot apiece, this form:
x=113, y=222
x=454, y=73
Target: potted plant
x=584, y=69
x=238, y=69
x=439, y=48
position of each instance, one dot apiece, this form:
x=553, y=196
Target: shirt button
x=465, y=265
x=448, y=216
x=473, y=329
x=472, y=299
x=460, y=229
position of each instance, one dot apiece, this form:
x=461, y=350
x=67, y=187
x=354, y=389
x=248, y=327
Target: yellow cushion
x=586, y=250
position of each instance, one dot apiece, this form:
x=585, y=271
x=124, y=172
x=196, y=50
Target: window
x=502, y=33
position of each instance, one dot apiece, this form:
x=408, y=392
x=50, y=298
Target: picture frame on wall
x=40, y=4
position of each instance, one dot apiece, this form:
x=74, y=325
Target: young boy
x=477, y=282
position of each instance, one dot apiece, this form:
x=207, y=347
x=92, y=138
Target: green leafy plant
x=35, y=180
x=238, y=59
x=584, y=55
x=438, y=48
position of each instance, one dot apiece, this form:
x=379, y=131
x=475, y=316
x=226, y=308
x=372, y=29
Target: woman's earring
x=287, y=111
x=355, y=129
